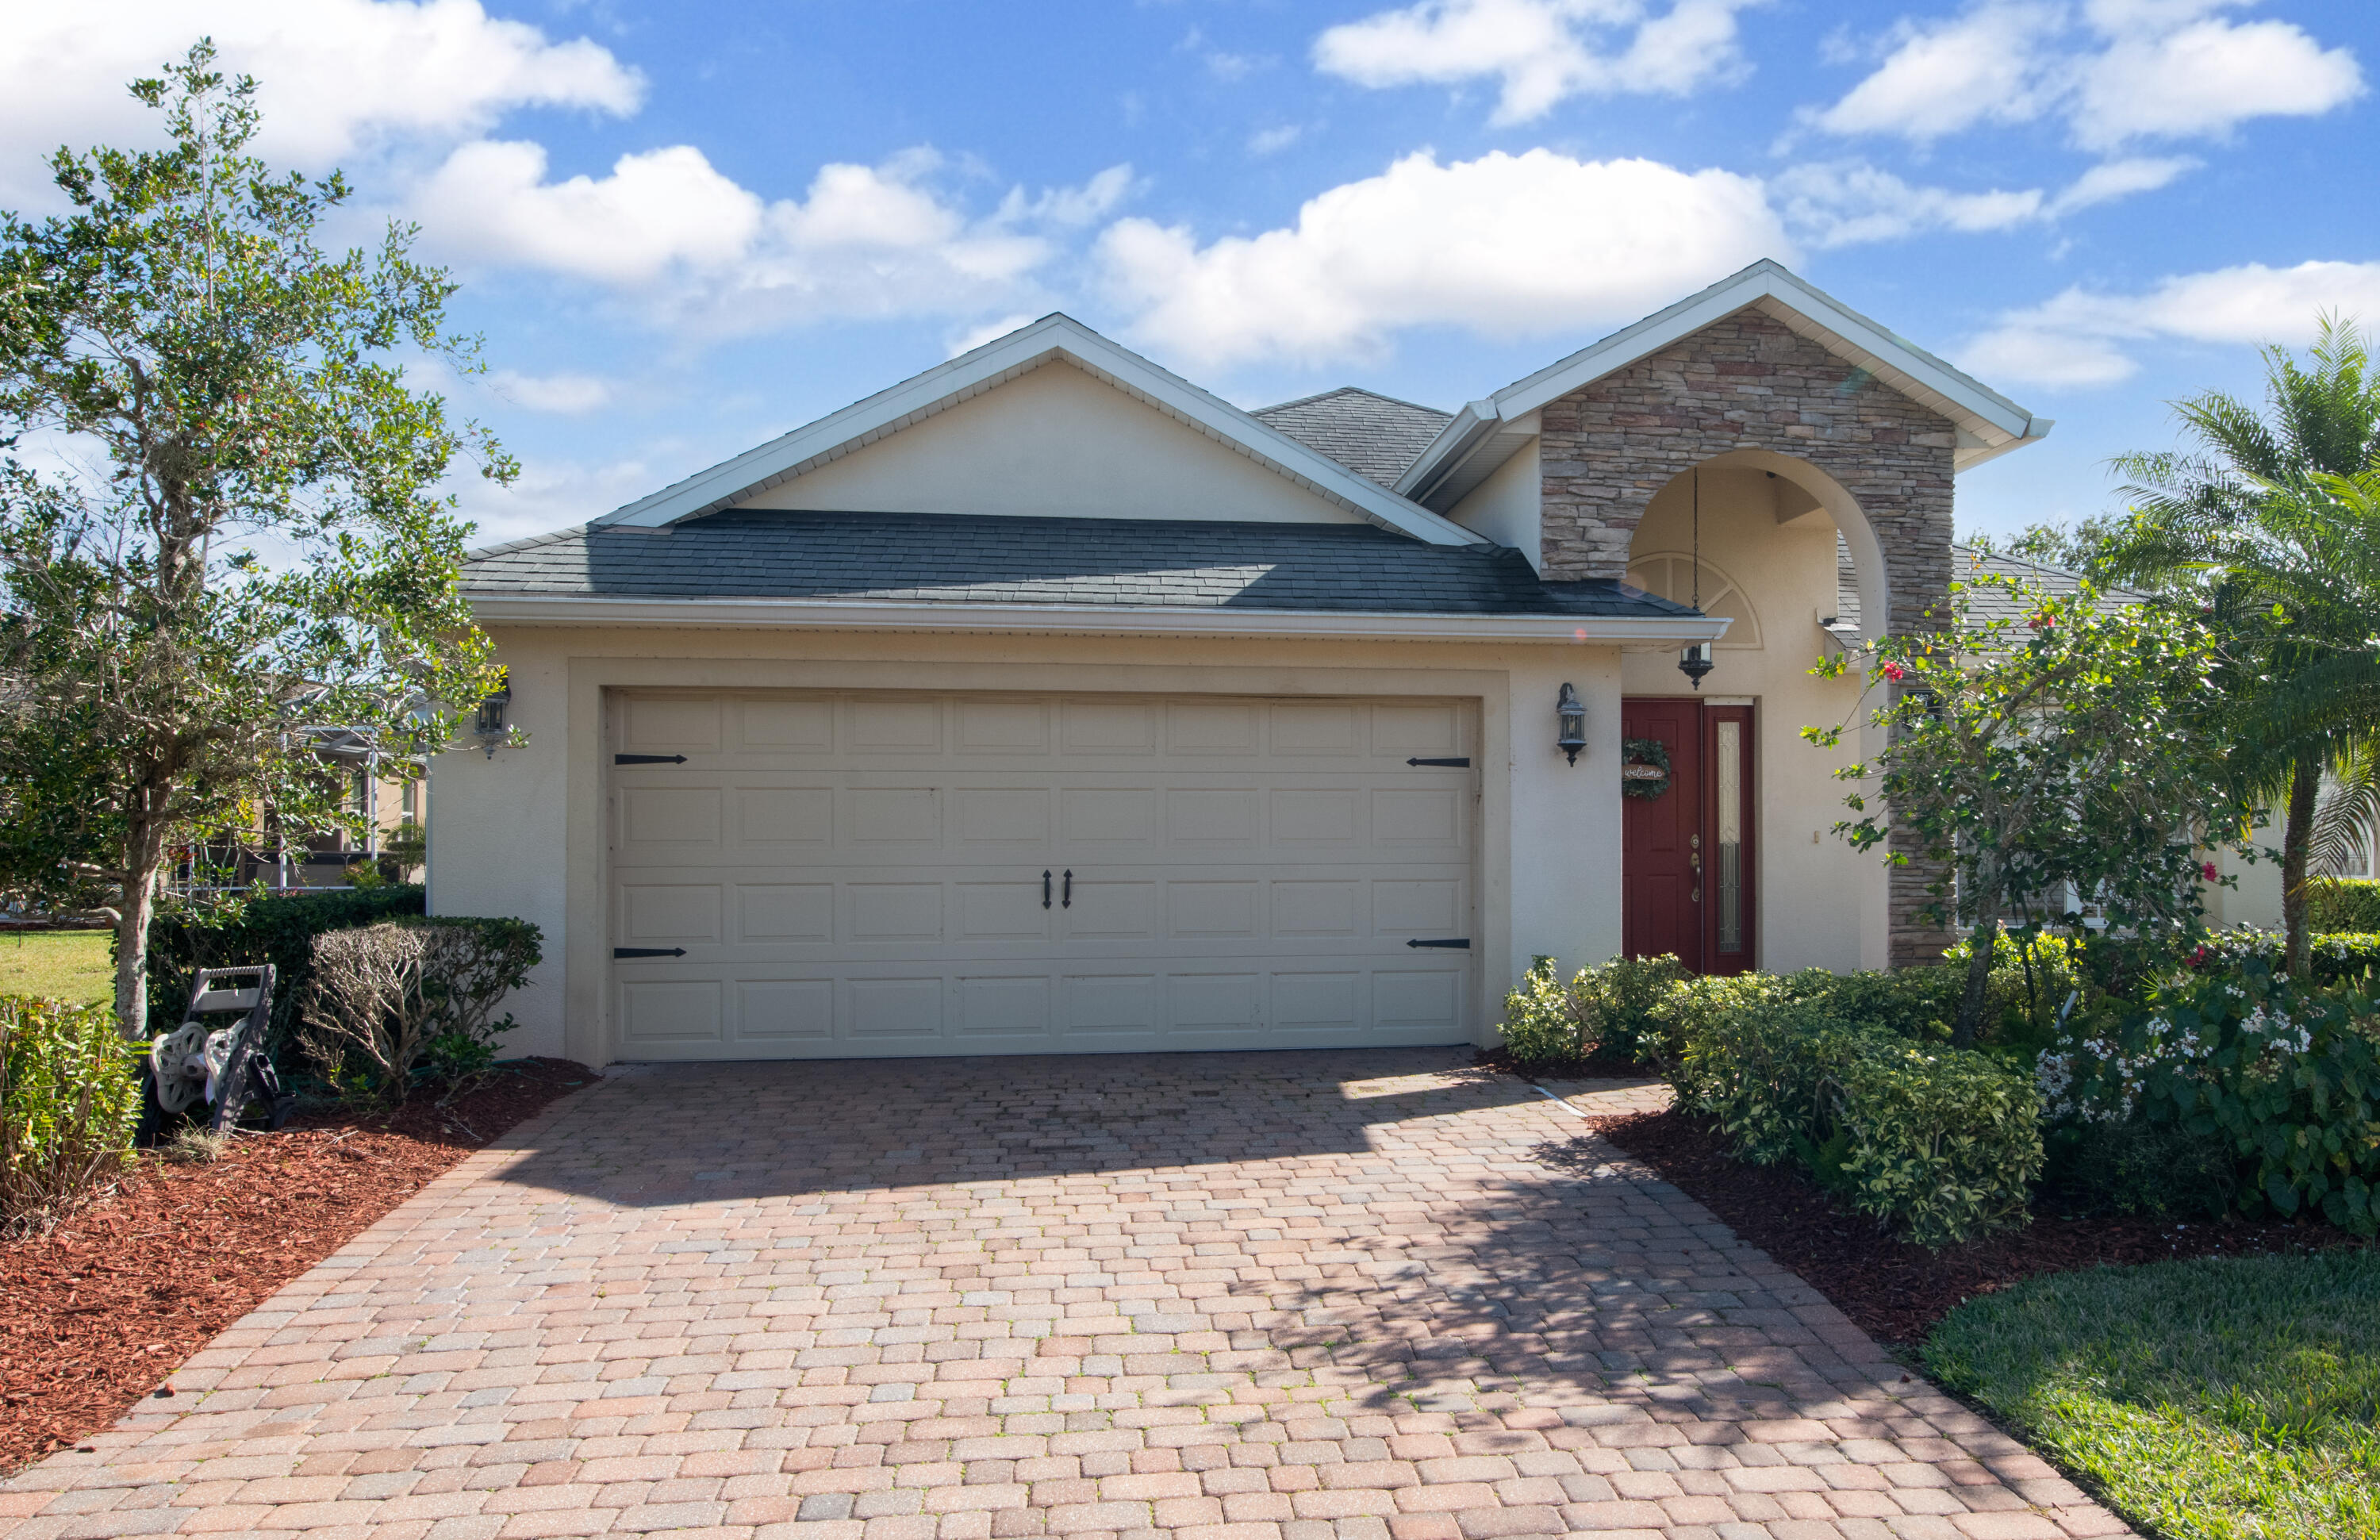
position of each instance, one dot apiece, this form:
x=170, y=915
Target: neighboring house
x=1045, y=702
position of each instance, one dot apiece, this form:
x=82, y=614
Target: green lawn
x=2219, y=1398
x=63, y=965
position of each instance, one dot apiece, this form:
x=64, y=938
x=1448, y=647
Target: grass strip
x=57, y=965
x=2212, y=1399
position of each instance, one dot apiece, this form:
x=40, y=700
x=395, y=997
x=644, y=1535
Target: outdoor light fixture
x=491, y=726
x=1572, y=712
x=1694, y=662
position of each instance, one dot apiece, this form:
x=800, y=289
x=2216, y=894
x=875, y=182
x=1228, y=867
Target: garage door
x=838, y=874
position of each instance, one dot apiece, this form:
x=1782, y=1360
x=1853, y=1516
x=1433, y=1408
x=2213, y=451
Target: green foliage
x=2135, y=1165
x=1941, y=1144
x=1606, y=1012
x=2023, y=755
x=2288, y=1074
x=70, y=1102
x=2332, y=958
x=2342, y=903
x=393, y=1005
x=277, y=930
x=2218, y=1399
x=234, y=389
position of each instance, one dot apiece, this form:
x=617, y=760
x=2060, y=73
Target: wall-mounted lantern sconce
x=1572, y=712
x=1694, y=662
x=491, y=724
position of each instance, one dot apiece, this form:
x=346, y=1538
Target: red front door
x=1686, y=863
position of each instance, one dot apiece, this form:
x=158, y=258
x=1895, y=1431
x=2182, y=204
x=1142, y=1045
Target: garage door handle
x=649, y=758
x=1068, y=902
x=648, y=952
x=1458, y=943
x=1449, y=764
x=1045, y=887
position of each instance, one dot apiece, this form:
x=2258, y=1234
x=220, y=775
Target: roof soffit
x=1053, y=339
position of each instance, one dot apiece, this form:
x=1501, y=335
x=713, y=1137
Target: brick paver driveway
x=1298, y=1296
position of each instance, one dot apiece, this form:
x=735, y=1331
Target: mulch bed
x=96, y=1312
x=1894, y=1290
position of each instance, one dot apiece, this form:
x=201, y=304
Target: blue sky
x=688, y=228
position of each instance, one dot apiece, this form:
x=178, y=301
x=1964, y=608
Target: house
x=1045, y=702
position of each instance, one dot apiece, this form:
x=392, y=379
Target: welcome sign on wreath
x=1643, y=768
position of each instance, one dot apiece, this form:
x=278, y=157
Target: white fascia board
x=1055, y=336
x=1088, y=620
x=1997, y=423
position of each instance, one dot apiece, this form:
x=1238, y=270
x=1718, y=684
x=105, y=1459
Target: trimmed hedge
x=1606, y=1012
x=279, y=930
x=2342, y=903
x=2339, y=956
x=1942, y=1145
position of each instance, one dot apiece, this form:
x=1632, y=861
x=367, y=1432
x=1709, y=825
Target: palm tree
x=2267, y=521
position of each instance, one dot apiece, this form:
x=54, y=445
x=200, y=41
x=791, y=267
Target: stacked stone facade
x=1749, y=383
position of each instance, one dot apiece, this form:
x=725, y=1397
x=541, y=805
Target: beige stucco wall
x=1819, y=903
x=523, y=831
x=1054, y=442
x=1504, y=507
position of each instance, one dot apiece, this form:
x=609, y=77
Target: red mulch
x=96, y=1312
x=1894, y=1290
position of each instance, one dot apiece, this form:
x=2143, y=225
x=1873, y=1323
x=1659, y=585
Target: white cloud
x=666, y=229
x=566, y=394
x=333, y=76
x=1505, y=245
x=2080, y=338
x=1850, y=202
x=1541, y=51
x=2115, y=179
x=2114, y=71
x=557, y=494
x=1273, y=142
x=1832, y=203
x=972, y=337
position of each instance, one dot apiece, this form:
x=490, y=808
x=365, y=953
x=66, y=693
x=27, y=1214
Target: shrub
x=405, y=1000
x=1943, y=1144
x=2336, y=955
x=2288, y=1075
x=2342, y=903
x=277, y=930
x=1605, y=1013
x=70, y=1102
x=2135, y=1165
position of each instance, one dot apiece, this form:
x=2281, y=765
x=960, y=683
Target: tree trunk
x=2297, y=837
x=144, y=847
x=1982, y=943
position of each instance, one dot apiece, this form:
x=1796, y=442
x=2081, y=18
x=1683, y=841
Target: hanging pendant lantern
x=1694, y=660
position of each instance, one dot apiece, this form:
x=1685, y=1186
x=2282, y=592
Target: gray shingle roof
x=1966, y=562
x=1373, y=435
x=957, y=559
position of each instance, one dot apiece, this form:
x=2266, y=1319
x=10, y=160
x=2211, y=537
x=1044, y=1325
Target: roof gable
x=1375, y=436
x=1484, y=433
x=1053, y=338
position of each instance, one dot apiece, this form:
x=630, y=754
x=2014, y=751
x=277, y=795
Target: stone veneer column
x=1749, y=383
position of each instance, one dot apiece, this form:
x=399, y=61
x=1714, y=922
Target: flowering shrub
x=2336, y=955
x=2290, y=1077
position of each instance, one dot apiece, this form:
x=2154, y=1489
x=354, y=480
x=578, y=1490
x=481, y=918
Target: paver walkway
x=1301, y=1296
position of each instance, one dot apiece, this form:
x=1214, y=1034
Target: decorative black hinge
x=1457, y=943
x=676, y=951
x=1449, y=764
x=649, y=758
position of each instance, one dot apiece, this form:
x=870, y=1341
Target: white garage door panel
x=860, y=875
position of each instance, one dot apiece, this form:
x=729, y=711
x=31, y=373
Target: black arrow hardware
x=1045, y=887
x=1448, y=764
x=648, y=952
x=1068, y=902
x=1459, y=943
x=649, y=758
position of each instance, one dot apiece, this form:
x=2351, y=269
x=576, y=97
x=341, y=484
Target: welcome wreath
x=1643, y=768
